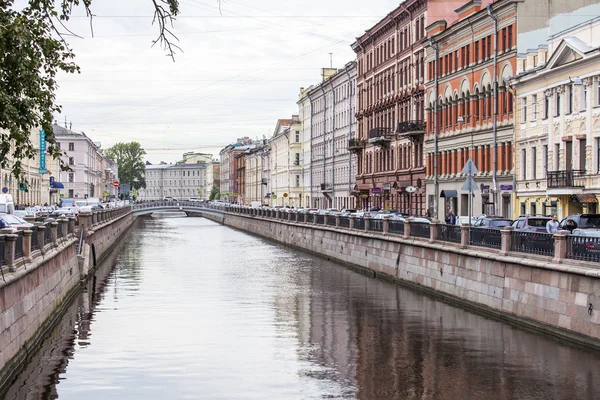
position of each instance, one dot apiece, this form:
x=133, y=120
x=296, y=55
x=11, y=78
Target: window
x=71, y=161
x=523, y=164
x=70, y=193
x=58, y=145
x=524, y=110
x=297, y=136
x=597, y=155
x=71, y=177
x=597, y=83
x=546, y=106
x=534, y=107
x=557, y=104
x=556, y=157
x=544, y=160
x=476, y=51
x=71, y=146
x=583, y=103
x=510, y=37
x=297, y=180
x=533, y=163
x=569, y=99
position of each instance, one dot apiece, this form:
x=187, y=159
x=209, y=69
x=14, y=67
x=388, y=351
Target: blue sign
x=51, y=181
x=42, y=152
x=5, y=190
x=506, y=188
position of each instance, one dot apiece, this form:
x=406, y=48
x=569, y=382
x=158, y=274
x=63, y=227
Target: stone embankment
x=552, y=293
x=42, y=269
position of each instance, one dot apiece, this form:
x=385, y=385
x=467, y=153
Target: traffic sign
x=470, y=168
x=470, y=184
x=410, y=189
x=116, y=184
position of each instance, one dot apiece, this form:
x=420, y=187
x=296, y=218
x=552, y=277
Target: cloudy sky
x=237, y=75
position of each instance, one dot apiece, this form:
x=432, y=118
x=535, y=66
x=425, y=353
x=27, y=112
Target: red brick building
x=466, y=105
x=391, y=106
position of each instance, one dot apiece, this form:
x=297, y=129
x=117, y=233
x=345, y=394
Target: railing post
x=337, y=220
x=289, y=216
x=65, y=227
x=54, y=233
x=367, y=223
x=27, y=245
x=85, y=221
x=352, y=219
x=464, y=236
x=386, y=223
x=325, y=219
x=560, y=246
x=305, y=217
x=506, y=240
x=433, y=231
x=10, y=244
x=41, y=232
x=406, y=228
x=71, y=225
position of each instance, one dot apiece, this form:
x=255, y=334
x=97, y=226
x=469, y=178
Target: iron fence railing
x=19, y=245
x=70, y=227
x=532, y=243
x=449, y=233
x=2, y=251
x=344, y=222
x=320, y=219
x=376, y=225
x=47, y=234
x=565, y=179
x=359, y=223
x=59, y=230
x=331, y=220
x=485, y=237
x=584, y=248
x=420, y=229
x=35, y=244
x=396, y=227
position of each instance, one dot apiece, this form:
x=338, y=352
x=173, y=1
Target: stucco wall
x=538, y=294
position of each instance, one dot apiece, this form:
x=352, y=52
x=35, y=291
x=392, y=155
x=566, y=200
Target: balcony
x=356, y=145
x=326, y=187
x=565, y=182
x=380, y=136
x=410, y=128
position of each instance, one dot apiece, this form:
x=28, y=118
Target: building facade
x=332, y=165
x=391, y=107
x=84, y=158
x=285, y=155
x=228, y=168
x=305, y=117
x=256, y=188
x=557, y=124
x=213, y=177
x=180, y=181
x=472, y=120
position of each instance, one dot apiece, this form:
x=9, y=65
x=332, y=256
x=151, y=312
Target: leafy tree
x=34, y=51
x=129, y=158
x=214, y=194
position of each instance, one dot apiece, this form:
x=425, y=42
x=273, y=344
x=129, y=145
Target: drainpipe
x=436, y=183
x=324, y=133
x=332, y=144
x=349, y=135
x=495, y=126
x=310, y=168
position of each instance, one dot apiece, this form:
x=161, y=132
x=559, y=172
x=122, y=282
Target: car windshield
x=537, y=222
x=499, y=223
x=11, y=219
x=589, y=221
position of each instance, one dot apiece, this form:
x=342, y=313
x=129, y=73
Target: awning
x=58, y=185
x=449, y=194
x=583, y=198
x=363, y=187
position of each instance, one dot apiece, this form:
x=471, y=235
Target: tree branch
x=165, y=17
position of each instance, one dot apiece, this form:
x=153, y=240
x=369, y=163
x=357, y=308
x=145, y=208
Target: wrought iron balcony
x=377, y=133
x=415, y=126
x=566, y=179
x=326, y=187
x=355, y=145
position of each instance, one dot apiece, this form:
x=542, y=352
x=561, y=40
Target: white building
x=304, y=114
x=333, y=167
x=180, y=181
x=213, y=177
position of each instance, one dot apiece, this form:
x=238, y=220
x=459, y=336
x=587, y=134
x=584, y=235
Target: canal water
x=194, y=310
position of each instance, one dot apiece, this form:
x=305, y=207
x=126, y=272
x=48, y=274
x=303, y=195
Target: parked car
x=492, y=222
x=533, y=224
x=15, y=222
x=582, y=221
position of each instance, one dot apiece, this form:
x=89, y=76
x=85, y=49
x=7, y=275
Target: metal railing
x=47, y=234
x=420, y=229
x=376, y=225
x=19, y=245
x=80, y=243
x=396, y=227
x=532, y=243
x=583, y=248
x=485, y=237
x=449, y=233
x=59, y=230
x=359, y=223
x=2, y=250
x=410, y=126
x=566, y=179
x=35, y=244
x=331, y=220
x=379, y=132
x=319, y=219
x=344, y=222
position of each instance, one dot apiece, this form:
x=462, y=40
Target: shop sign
x=506, y=188
x=376, y=190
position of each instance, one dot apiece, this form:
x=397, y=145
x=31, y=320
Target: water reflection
x=197, y=310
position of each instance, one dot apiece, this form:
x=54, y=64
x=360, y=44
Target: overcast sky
x=237, y=75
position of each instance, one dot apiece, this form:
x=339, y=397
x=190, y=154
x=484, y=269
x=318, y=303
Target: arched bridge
x=188, y=207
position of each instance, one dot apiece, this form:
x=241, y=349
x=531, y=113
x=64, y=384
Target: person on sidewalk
x=552, y=225
x=451, y=218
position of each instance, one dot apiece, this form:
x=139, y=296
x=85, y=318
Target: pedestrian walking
x=552, y=225
x=451, y=218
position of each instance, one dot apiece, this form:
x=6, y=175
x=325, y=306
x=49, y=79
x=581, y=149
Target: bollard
x=506, y=237
x=407, y=228
x=560, y=246
x=433, y=231
x=386, y=223
x=27, y=245
x=464, y=236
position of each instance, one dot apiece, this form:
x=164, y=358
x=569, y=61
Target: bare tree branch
x=165, y=17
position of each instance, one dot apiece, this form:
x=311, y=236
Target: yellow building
x=557, y=124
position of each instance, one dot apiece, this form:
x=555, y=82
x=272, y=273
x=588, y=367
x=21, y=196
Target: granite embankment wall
x=561, y=299
x=37, y=286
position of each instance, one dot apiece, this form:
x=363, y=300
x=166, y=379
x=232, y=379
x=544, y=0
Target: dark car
x=529, y=223
x=486, y=230
x=582, y=221
x=492, y=222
